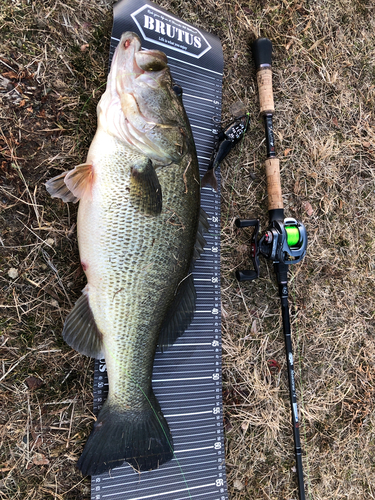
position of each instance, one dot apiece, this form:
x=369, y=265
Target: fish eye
x=177, y=89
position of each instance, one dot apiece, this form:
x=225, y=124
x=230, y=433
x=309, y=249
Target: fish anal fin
x=203, y=227
x=80, y=330
x=71, y=186
x=145, y=189
x=180, y=313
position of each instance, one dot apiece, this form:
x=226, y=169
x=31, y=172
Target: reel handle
x=262, y=53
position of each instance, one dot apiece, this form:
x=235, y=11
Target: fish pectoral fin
x=180, y=314
x=80, y=330
x=70, y=186
x=145, y=189
x=79, y=179
x=58, y=189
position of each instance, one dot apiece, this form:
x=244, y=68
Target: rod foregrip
x=275, y=199
x=262, y=54
x=264, y=78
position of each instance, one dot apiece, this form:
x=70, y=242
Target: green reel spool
x=292, y=235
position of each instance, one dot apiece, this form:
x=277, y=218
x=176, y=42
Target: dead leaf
x=245, y=426
x=40, y=459
x=38, y=441
x=254, y=329
x=33, y=383
x=238, y=485
x=289, y=44
x=13, y=273
x=10, y=74
x=287, y=151
x=307, y=208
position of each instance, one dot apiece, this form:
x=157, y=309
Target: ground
x=53, y=63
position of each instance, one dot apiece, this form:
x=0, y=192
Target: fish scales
x=135, y=269
x=139, y=227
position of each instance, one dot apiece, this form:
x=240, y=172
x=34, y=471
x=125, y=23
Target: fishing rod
x=285, y=240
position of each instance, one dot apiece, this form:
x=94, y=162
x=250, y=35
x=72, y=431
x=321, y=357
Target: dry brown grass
x=53, y=63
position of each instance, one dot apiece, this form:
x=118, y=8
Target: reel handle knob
x=246, y=275
x=246, y=222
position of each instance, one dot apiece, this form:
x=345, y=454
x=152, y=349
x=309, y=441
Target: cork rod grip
x=275, y=199
x=264, y=79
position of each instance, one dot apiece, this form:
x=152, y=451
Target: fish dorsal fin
x=71, y=186
x=80, y=330
x=145, y=189
x=203, y=227
x=179, y=315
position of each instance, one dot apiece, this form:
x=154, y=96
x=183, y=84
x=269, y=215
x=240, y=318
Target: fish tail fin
x=140, y=437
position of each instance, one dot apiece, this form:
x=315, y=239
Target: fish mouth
x=130, y=61
x=142, y=108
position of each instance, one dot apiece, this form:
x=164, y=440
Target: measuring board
x=186, y=377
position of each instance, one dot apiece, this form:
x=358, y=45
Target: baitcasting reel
x=285, y=242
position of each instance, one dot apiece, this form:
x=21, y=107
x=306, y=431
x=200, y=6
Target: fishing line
x=82, y=110
x=236, y=171
x=166, y=437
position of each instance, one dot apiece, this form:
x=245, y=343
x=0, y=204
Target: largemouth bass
x=139, y=229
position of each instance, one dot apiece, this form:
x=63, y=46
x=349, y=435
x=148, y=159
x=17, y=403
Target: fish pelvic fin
x=140, y=437
x=80, y=330
x=70, y=186
x=145, y=189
